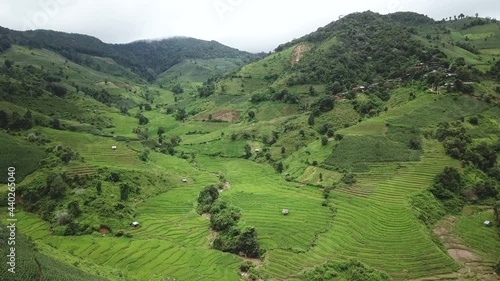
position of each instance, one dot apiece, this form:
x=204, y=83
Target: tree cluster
x=233, y=236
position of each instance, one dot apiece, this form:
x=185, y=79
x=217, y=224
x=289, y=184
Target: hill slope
x=370, y=131
x=145, y=58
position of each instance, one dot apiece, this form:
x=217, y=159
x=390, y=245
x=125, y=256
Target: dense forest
x=146, y=58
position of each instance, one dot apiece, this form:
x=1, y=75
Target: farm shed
x=487, y=223
x=184, y=180
x=114, y=147
x=134, y=224
x=285, y=212
x=257, y=150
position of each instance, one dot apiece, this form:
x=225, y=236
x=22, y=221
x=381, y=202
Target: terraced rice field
x=166, y=254
x=96, y=150
x=377, y=227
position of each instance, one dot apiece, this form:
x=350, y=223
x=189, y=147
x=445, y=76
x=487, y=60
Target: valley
x=378, y=134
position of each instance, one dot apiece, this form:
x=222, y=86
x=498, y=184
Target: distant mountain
x=366, y=49
x=146, y=58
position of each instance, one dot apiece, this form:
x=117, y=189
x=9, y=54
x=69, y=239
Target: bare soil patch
x=472, y=265
x=297, y=54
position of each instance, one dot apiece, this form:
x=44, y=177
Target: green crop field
x=21, y=155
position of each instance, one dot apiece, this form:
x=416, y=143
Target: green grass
x=32, y=265
x=20, y=154
x=477, y=236
x=354, y=152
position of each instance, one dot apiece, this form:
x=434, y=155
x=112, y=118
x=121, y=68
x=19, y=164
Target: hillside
x=366, y=150
x=147, y=59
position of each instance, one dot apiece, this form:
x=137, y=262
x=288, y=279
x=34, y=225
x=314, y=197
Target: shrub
x=324, y=140
x=246, y=265
x=474, y=120
x=349, y=179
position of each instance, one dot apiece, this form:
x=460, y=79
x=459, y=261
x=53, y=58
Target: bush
x=324, y=140
x=474, y=121
x=415, y=144
x=206, y=198
x=349, y=179
x=246, y=266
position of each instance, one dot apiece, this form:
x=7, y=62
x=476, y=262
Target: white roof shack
x=285, y=212
x=135, y=224
x=184, y=180
x=114, y=147
x=487, y=223
x=257, y=150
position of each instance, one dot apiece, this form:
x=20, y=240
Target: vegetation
x=350, y=270
x=369, y=131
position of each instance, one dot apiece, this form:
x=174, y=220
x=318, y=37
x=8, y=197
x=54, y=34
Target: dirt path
x=297, y=54
x=472, y=265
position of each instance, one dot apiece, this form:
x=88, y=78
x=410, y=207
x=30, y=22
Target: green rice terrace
x=335, y=157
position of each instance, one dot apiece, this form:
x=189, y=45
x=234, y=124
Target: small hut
x=134, y=224
x=184, y=180
x=257, y=150
x=284, y=212
x=114, y=147
x=487, y=223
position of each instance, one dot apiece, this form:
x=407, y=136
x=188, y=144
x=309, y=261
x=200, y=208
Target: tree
x=447, y=184
x=8, y=64
x=144, y=155
x=161, y=131
x=124, y=109
x=143, y=120
x=310, y=120
x=279, y=167
x=349, y=179
x=474, y=120
x=248, y=151
x=124, y=191
x=181, y=114
x=4, y=119
x=74, y=209
x=56, y=186
x=283, y=150
x=206, y=198
x=234, y=136
x=483, y=156
x=324, y=140
x=55, y=124
x=251, y=114
x=312, y=91
x=461, y=16
x=415, y=143
x=460, y=61
x=325, y=104
x=486, y=189
x=334, y=88
x=177, y=89
x=477, y=15
x=98, y=188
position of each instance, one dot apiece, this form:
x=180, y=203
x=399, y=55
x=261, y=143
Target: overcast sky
x=250, y=25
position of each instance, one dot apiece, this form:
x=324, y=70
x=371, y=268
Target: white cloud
x=254, y=25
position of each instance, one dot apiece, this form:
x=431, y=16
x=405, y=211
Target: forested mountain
x=145, y=58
